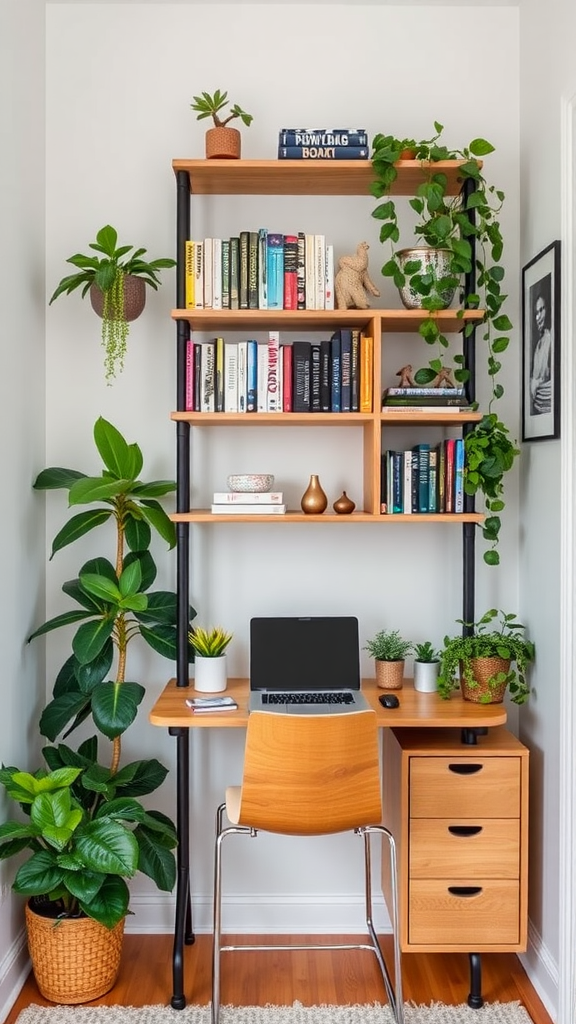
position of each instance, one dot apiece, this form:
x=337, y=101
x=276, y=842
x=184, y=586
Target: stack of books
x=411, y=400
x=248, y=503
x=425, y=478
x=323, y=144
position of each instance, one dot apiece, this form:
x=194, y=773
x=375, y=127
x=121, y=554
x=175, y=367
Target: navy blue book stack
x=323, y=144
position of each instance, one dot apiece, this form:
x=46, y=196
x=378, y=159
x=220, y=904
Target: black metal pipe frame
x=183, y=932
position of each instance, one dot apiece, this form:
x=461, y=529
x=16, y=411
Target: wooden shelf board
x=431, y=417
x=202, y=515
x=274, y=419
x=305, y=177
x=392, y=320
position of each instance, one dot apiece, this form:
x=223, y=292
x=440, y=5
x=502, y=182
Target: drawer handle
x=465, y=769
x=464, y=890
x=464, y=830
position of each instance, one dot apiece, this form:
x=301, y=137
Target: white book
x=262, y=269
x=329, y=291
x=216, y=273
x=248, y=510
x=262, y=377
x=320, y=264
x=407, y=483
x=248, y=497
x=274, y=403
x=208, y=273
x=207, y=376
x=242, y=375
x=280, y=381
x=199, y=275
x=310, y=272
x=230, y=376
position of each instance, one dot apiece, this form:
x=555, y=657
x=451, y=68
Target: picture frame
x=541, y=346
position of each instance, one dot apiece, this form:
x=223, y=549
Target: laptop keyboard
x=307, y=698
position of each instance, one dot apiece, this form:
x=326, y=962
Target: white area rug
x=435, y=1013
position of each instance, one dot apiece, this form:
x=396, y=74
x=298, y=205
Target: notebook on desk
x=305, y=665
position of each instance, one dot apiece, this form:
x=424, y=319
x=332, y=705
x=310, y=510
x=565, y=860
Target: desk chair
x=309, y=776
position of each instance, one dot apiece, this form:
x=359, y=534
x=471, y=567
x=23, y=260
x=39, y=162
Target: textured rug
x=435, y=1013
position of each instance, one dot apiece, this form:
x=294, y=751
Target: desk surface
x=424, y=710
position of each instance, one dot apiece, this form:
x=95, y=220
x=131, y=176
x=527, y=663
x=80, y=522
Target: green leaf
x=110, y=904
x=155, y=489
x=66, y=619
x=97, y=489
x=115, y=706
x=159, y=521
x=492, y=557
x=148, y=568
x=161, y=639
x=140, y=777
x=155, y=860
x=78, y=526
x=38, y=875
x=101, y=587
x=91, y=638
x=480, y=147
x=119, y=458
x=55, y=478
x=60, y=711
x=137, y=533
x=161, y=608
x=131, y=579
x=107, y=846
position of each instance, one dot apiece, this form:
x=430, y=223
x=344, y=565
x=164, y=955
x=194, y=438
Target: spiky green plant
x=209, y=643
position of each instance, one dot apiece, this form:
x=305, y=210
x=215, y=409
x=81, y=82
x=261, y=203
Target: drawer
x=452, y=848
x=438, y=916
x=465, y=787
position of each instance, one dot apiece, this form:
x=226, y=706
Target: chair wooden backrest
x=311, y=775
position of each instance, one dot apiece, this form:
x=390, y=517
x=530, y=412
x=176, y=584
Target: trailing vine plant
x=467, y=226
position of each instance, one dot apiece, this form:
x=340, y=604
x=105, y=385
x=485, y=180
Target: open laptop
x=305, y=665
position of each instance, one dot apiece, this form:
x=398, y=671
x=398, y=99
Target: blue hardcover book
x=397, y=481
x=322, y=152
x=325, y=375
x=345, y=369
x=423, y=451
x=459, y=475
x=275, y=265
x=252, y=376
x=335, y=374
x=323, y=137
x=301, y=359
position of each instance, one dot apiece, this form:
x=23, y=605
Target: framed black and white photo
x=541, y=346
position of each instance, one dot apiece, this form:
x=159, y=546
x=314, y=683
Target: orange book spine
x=366, y=373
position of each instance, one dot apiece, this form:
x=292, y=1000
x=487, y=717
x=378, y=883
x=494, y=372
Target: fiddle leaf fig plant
x=87, y=828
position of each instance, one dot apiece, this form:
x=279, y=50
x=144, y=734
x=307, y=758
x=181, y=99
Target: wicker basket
x=482, y=670
x=134, y=297
x=389, y=674
x=75, y=960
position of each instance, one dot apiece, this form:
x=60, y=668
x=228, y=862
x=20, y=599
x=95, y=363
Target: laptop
x=305, y=665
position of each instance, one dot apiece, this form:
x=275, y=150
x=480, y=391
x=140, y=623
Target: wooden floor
x=343, y=977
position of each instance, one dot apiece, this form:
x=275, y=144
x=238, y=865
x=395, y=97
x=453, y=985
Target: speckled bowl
x=250, y=482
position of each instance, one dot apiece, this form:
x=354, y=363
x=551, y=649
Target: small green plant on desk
x=426, y=652
x=209, y=643
x=479, y=641
x=388, y=645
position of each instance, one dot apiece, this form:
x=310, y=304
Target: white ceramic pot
x=210, y=675
x=426, y=676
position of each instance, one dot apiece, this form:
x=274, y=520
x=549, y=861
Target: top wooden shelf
x=305, y=177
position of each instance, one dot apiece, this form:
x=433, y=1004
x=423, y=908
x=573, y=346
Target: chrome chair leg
x=394, y=992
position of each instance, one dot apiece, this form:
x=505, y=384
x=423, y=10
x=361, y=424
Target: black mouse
x=389, y=700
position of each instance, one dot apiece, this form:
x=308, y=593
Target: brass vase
x=313, y=501
x=344, y=505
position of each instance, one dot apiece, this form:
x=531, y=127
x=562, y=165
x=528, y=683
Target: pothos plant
x=88, y=829
x=466, y=225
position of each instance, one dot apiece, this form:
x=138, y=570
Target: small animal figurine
x=443, y=379
x=406, y=378
x=352, y=281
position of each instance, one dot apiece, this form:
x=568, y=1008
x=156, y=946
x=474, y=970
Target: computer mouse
x=389, y=700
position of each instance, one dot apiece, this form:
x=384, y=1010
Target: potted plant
x=222, y=142
x=481, y=660
x=210, y=675
x=116, y=281
x=389, y=651
x=426, y=667
x=463, y=233
x=88, y=830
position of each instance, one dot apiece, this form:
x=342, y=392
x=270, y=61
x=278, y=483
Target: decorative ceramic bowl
x=250, y=482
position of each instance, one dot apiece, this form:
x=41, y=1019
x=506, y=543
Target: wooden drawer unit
x=459, y=815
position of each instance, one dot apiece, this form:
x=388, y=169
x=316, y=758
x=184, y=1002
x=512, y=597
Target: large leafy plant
x=105, y=831
x=496, y=634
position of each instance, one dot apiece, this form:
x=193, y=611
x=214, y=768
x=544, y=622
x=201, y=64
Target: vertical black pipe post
x=475, y=1000
x=183, y=917
x=469, y=353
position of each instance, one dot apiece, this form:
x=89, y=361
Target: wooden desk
x=417, y=711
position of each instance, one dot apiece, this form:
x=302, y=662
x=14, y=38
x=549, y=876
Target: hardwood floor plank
x=333, y=977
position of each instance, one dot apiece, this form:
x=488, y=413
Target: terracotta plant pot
x=223, y=144
x=134, y=298
x=483, y=669
x=389, y=674
x=75, y=959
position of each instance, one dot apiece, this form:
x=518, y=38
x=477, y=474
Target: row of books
x=260, y=270
x=244, y=503
x=425, y=478
x=323, y=144
x=425, y=400
x=332, y=375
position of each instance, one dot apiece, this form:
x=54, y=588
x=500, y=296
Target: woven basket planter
x=75, y=960
x=134, y=297
x=389, y=674
x=223, y=144
x=483, y=669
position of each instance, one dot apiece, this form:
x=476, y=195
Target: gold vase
x=314, y=501
x=344, y=505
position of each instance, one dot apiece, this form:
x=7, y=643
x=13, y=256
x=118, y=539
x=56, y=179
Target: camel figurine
x=352, y=281
x=406, y=378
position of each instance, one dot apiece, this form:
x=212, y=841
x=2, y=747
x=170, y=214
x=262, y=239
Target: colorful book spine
x=275, y=262
x=325, y=375
x=441, y=448
x=310, y=273
x=366, y=372
x=208, y=375
x=225, y=273
x=329, y=285
x=345, y=369
x=423, y=455
x=301, y=271
x=407, y=482
x=262, y=269
x=189, y=395
x=273, y=403
x=301, y=376
x=244, y=262
x=323, y=152
x=421, y=392
x=335, y=373
x=320, y=273
x=290, y=272
x=287, y=396
x=242, y=375
x=397, y=476
x=323, y=137
x=251, y=376
x=449, y=474
x=235, y=272
x=208, y=273
x=197, y=376
x=459, y=475
x=230, y=377
x=189, y=274
x=219, y=369
x=199, y=275
x=433, y=480
x=253, y=244
x=315, y=401
x=216, y=273
x=384, y=483
x=262, y=402
x=355, y=371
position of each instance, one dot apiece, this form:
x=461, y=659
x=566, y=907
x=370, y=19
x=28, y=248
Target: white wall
x=547, y=79
x=22, y=416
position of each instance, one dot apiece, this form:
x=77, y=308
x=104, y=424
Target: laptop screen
x=304, y=653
